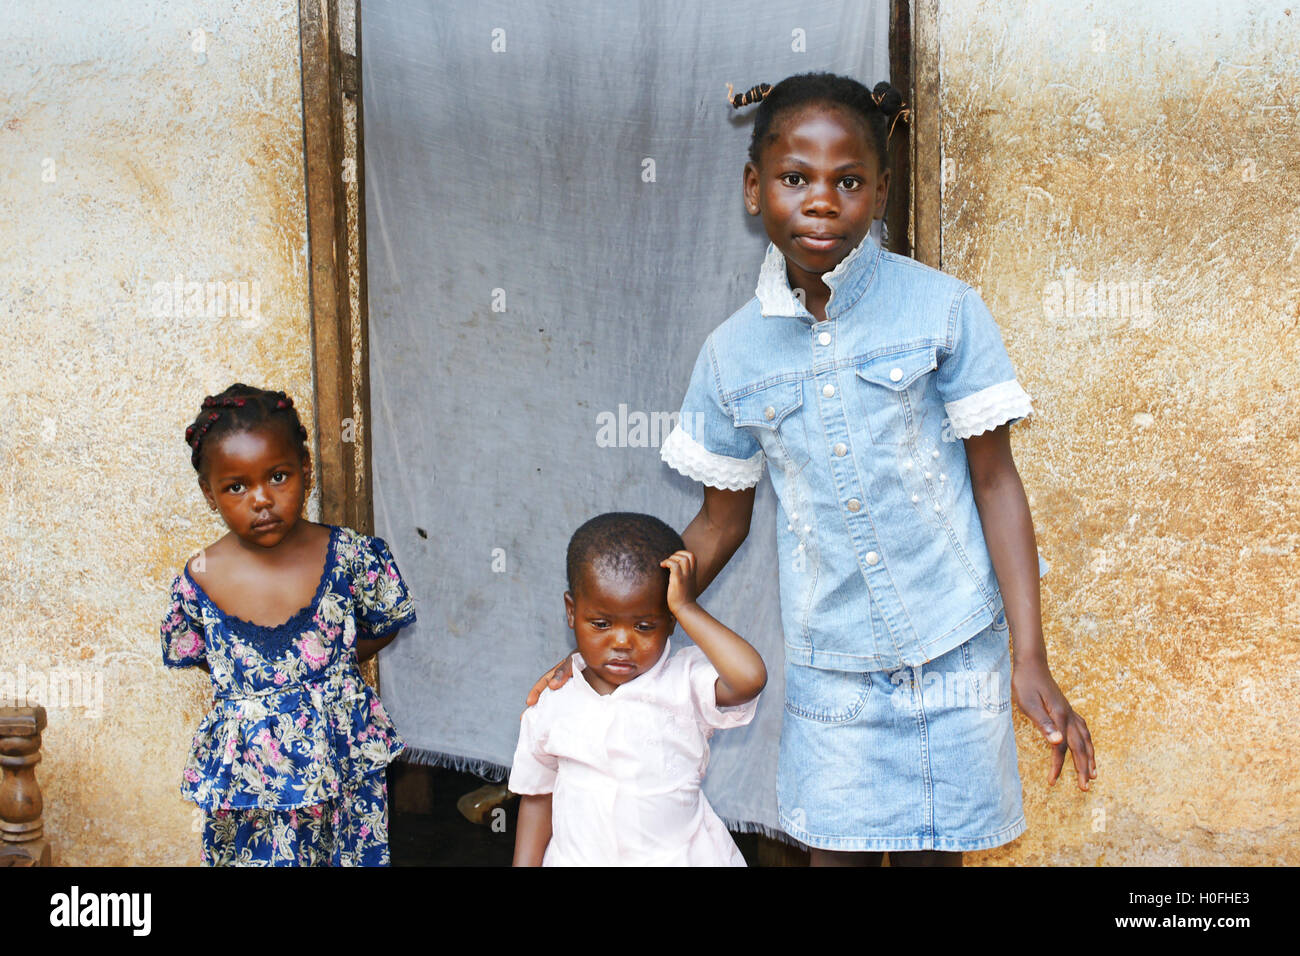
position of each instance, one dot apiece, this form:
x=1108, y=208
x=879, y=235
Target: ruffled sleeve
x=976, y=379
x=703, y=677
x=384, y=604
x=706, y=445
x=183, y=642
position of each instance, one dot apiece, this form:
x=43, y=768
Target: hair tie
x=755, y=94
x=903, y=114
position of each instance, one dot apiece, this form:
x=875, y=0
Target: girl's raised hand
x=681, y=579
x=1041, y=700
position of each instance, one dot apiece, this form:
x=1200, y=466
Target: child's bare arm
x=718, y=531
x=741, y=672
x=1009, y=533
x=533, y=829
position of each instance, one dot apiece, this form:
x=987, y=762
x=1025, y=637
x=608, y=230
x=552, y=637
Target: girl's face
x=622, y=626
x=257, y=482
x=818, y=187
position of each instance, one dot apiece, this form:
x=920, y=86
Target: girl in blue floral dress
x=289, y=764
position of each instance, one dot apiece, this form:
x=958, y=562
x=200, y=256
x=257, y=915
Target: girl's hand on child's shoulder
x=681, y=580
x=555, y=678
x=1041, y=700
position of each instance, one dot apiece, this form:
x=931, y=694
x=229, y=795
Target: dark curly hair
x=879, y=108
x=243, y=408
x=621, y=543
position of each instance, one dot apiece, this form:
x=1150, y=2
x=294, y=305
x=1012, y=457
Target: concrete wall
x=1150, y=148
x=139, y=141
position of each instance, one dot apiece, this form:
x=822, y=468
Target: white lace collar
x=775, y=297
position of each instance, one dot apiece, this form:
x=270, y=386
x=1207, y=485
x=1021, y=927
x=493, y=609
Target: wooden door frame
x=340, y=328
x=926, y=132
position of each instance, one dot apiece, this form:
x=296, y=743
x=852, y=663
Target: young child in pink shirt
x=610, y=766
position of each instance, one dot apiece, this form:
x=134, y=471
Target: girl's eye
x=282, y=475
x=600, y=625
x=645, y=626
x=786, y=177
x=235, y=489
x=852, y=182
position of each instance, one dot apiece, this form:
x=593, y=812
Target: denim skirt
x=920, y=758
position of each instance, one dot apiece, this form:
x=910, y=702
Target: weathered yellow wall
x=133, y=149
x=1151, y=144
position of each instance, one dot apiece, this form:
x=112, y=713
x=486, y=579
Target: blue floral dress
x=289, y=762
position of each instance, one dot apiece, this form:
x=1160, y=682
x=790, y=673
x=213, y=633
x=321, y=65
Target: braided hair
x=879, y=108
x=242, y=408
x=626, y=545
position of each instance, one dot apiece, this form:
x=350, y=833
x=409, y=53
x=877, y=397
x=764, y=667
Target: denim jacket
x=859, y=419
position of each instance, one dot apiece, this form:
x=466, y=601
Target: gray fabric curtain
x=554, y=224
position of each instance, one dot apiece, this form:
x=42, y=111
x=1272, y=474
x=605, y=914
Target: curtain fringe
x=762, y=829
x=486, y=769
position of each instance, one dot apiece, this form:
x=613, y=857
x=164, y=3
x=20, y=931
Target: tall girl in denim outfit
x=878, y=393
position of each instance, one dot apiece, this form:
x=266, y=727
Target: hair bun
x=888, y=100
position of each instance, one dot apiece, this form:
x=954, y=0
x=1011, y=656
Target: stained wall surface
x=142, y=144
x=1121, y=185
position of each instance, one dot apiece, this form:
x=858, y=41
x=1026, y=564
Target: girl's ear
x=569, y=608
x=207, y=493
x=750, y=185
x=882, y=194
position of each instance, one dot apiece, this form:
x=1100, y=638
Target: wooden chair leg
x=22, y=833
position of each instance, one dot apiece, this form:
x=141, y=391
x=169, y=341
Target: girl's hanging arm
x=717, y=531
x=1009, y=533
x=713, y=536
x=741, y=672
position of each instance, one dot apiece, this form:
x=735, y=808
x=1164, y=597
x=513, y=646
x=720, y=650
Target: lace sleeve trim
x=693, y=460
x=988, y=408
